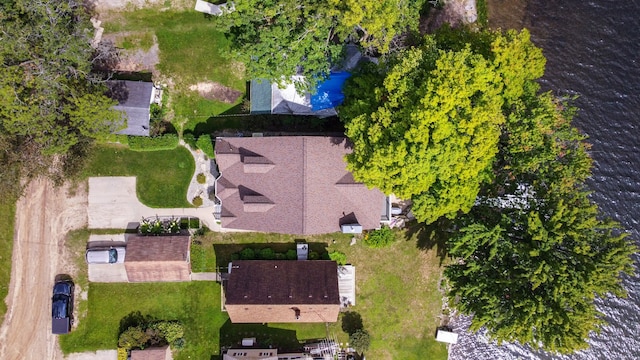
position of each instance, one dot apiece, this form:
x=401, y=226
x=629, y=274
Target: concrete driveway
x=113, y=204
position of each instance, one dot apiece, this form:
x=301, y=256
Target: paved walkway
x=205, y=276
x=113, y=204
x=204, y=165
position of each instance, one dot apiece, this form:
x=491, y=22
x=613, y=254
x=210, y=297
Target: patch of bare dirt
x=215, y=91
x=454, y=12
x=44, y=215
x=135, y=60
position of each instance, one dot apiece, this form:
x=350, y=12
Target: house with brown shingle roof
x=292, y=185
x=158, y=258
x=268, y=291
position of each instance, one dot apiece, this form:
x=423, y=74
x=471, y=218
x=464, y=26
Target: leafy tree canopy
x=533, y=254
x=532, y=275
x=426, y=124
x=49, y=100
x=277, y=39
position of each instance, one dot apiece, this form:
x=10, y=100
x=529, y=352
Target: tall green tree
x=533, y=254
x=531, y=275
x=277, y=39
x=50, y=103
x=428, y=131
x=362, y=21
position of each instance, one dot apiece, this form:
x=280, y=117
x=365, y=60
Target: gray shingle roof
x=134, y=98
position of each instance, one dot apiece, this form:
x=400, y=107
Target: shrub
x=201, y=178
x=190, y=140
x=267, y=254
x=204, y=143
x=379, y=238
x=312, y=255
x=360, y=340
x=197, y=201
x=291, y=255
x=169, y=330
x=133, y=337
x=338, y=257
x=247, y=254
x=144, y=143
x=122, y=354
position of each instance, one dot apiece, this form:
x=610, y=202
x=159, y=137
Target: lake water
x=593, y=51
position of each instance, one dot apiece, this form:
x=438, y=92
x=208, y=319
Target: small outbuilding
x=158, y=258
x=134, y=101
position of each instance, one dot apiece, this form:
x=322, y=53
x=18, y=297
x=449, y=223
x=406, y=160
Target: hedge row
x=162, y=142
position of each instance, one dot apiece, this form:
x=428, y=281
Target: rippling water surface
x=593, y=51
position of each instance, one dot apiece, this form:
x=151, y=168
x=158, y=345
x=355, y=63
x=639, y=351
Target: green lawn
x=163, y=176
x=195, y=304
x=397, y=289
x=7, y=219
x=191, y=51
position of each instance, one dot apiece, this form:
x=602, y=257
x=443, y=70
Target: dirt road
x=44, y=215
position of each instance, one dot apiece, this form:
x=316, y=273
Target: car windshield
x=60, y=304
x=62, y=288
x=113, y=256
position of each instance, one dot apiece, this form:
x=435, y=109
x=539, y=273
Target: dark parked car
x=62, y=306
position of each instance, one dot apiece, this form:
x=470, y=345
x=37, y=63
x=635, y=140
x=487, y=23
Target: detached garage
x=158, y=258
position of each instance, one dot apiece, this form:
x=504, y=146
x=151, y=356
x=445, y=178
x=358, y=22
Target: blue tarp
x=329, y=92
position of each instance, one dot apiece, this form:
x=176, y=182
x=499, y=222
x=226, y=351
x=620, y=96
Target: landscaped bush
x=312, y=255
x=159, y=227
x=149, y=332
x=169, y=330
x=122, y=354
x=190, y=140
x=144, y=143
x=247, y=254
x=204, y=143
x=201, y=178
x=291, y=255
x=197, y=201
x=134, y=337
x=338, y=257
x=379, y=238
x=267, y=254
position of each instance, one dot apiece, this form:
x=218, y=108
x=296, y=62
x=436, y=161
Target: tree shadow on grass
x=226, y=253
x=351, y=322
x=134, y=319
x=431, y=236
x=284, y=340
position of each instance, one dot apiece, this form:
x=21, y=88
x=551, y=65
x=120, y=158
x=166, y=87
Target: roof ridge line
x=304, y=184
